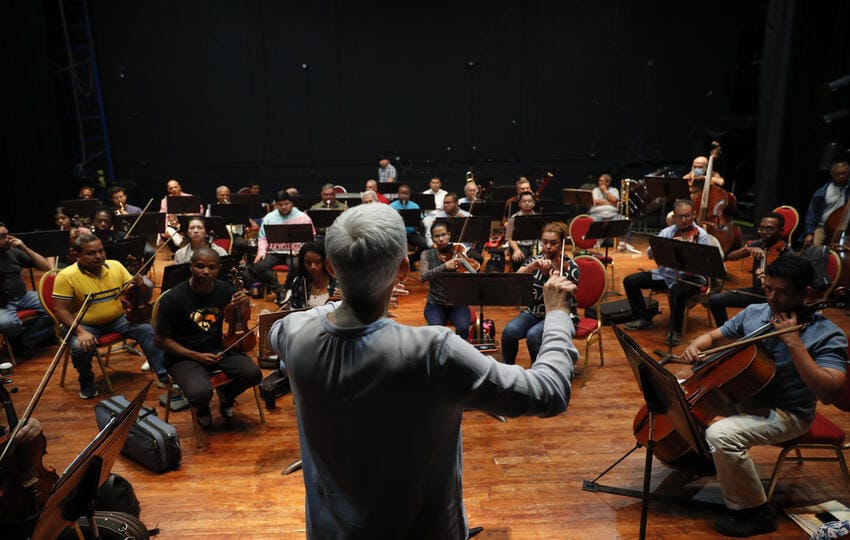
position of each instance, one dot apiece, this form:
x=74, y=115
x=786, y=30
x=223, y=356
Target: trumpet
x=121, y=210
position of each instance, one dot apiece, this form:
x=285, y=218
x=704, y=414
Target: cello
x=715, y=206
x=729, y=374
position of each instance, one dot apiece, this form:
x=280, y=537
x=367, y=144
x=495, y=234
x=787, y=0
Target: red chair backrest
x=792, y=218
x=592, y=281
x=833, y=266
x=45, y=291
x=578, y=228
x=223, y=243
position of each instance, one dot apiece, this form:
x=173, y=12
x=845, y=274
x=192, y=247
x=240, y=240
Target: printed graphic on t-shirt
x=206, y=318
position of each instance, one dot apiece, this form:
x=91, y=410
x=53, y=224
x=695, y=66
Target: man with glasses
x=764, y=251
x=664, y=278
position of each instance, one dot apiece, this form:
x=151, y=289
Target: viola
x=26, y=482
x=735, y=372
x=135, y=299
x=238, y=315
x=715, y=207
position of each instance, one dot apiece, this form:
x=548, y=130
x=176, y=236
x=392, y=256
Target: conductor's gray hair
x=366, y=245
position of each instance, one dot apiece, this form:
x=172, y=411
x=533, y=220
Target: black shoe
x=639, y=324
x=747, y=522
x=282, y=296
x=674, y=338
x=205, y=417
x=225, y=406
x=88, y=390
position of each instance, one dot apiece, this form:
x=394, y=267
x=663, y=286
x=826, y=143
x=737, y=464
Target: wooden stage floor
x=522, y=479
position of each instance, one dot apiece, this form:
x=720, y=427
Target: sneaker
x=88, y=390
x=163, y=381
x=747, y=522
x=639, y=324
x=626, y=247
x=146, y=367
x=204, y=418
x=225, y=406
x=282, y=296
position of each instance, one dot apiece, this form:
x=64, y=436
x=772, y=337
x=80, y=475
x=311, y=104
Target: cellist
x=810, y=366
x=826, y=200
x=188, y=329
x=763, y=251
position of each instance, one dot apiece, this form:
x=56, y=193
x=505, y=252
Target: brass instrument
x=121, y=210
x=623, y=206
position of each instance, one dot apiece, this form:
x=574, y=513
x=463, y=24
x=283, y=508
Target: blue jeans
x=525, y=325
x=142, y=333
x=437, y=315
x=12, y=327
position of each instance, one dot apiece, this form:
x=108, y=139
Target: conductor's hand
x=558, y=292
x=206, y=357
x=691, y=354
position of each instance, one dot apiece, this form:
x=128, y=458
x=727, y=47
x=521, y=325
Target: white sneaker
x=625, y=246
x=146, y=367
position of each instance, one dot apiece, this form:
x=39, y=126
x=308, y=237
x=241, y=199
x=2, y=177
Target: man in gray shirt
x=369, y=390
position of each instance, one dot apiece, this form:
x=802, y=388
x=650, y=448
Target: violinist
x=826, y=200
x=311, y=285
x=529, y=323
x=197, y=236
x=667, y=279
x=763, y=251
x=14, y=296
x=432, y=265
x=520, y=250
x=810, y=366
x=107, y=279
x=189, y=331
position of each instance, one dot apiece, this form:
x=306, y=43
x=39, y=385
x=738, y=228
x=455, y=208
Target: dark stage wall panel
x=300, y=93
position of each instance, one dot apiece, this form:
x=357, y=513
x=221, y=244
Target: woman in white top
x=197, y=238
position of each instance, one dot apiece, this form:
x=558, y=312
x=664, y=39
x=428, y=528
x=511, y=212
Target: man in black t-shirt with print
x=189, y=332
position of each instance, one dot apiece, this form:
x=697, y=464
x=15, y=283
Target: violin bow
x=47, y=375
x=133, y=226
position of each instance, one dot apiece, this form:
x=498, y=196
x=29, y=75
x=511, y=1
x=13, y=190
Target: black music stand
x=477, y=229
x=412, y=217
x=122, y=250
x=492, y=210
x=492, y=289
x=663, y=396
x=183, y=204
x=500, y=194
x=289, y=234
x=546, y=206
x=215, y=225
x=149, y=224
x=81, y=208
x=577, y=197
x=306, y=201
x=73, y=496
x=688, y=257
x=667, y=189
x=531, y=227
x=388, y=187
x=425, y=201
x=46, y=244
x=233, y=213
x=323, y=218
x=350, y=199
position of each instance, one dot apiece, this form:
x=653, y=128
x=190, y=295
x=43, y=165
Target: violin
x=458, y=251
x=237, y=316
x=136, y=297
x=25, y=481
x=730, y=374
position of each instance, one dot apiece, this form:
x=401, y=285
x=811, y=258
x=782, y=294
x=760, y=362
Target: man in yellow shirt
x=106, y=279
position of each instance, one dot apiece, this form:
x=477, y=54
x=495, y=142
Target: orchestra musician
x=189, y=331
x=370, y=390
x=270, y=255
x=520, y=250
x=763, y=251
x=668, y=279
x=810, y=366
x=117, y=196
x=197, y=236
x=239, y=246
x=435, y=188
x=106, y=279
x=386, y=172
x=86, y=192
x=470, y=193
x=103, y=227
x=522, y=185
x=414, y=239
x=698, y=170
x=312, y=285
x=329, y=201
x=827, y=199
x=172, y=226
x=433, y=263
x=529, y=324
x=372, y=185
x=14, y=296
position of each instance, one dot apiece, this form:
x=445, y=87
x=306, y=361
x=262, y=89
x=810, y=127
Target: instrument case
x=274, y=385
x=618, y=312
x=152, y=442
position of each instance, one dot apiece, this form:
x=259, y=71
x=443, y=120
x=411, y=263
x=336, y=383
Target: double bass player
x=810, y=366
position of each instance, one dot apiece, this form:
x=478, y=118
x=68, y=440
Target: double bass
x=715, y=207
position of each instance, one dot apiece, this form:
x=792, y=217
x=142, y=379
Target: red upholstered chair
x=833, y=271
x=339, y=190
x=281, y=268
x=792, y=219
x=823, y=437
x=583, y=246
x=225, y=242
x=45, y=294
x=26, y=316
x=590, y=293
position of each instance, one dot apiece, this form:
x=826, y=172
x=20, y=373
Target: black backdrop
x=298, y=94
